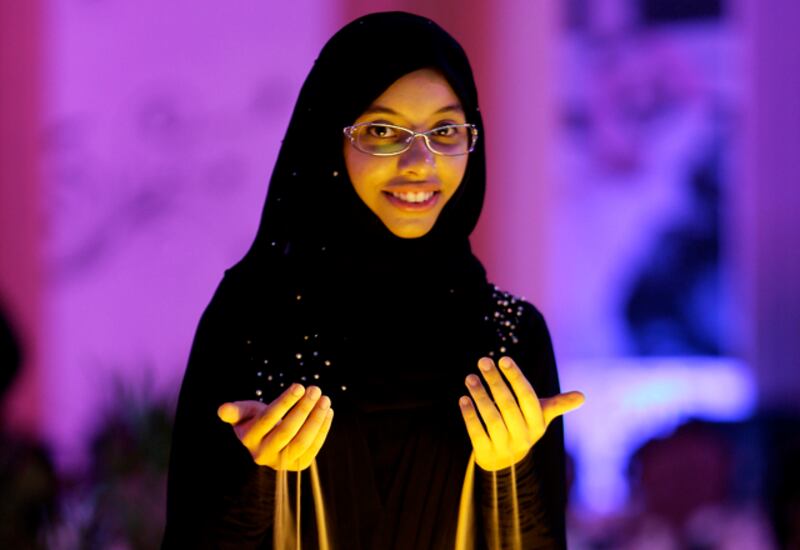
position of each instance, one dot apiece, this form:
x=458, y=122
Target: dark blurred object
x=121, y=500
x=10, y=354
x=719, y=485
x=674, y=303
x=680, y=11
x=28, y=492
x=650, y=12
x=781, y=449
x=28, y=484
x=126, y=484
x=677, y=476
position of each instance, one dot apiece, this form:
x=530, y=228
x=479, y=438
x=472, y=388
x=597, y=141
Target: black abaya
x=387, y=327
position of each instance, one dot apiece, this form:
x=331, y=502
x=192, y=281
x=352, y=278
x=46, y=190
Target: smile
x=419, y=196
x=411, y=200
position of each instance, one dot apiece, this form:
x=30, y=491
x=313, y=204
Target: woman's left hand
x=513, y=425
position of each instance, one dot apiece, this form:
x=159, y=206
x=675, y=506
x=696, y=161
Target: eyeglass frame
x=473, y=129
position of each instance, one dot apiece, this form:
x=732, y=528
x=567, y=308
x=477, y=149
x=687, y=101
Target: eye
x=445, y=131
x=381, y=131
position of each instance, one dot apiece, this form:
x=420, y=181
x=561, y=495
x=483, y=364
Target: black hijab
x=325, y=262
x=311, y=203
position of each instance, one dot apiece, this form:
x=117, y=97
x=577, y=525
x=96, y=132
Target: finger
x=280, y=436
x=308, y=432
x=272, y=416
x=526, y=395
x=503, y=398
x=322, y=435
x=553, y=407
x=235, y=412
x=480, y=441
x=495, y=426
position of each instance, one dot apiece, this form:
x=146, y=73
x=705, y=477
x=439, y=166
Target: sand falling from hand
x=287, y=528
x=497, y=537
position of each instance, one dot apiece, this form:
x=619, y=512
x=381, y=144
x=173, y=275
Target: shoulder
x=514, y=318
x=521, y=333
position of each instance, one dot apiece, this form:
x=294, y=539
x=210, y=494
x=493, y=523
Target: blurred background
x=643, y=192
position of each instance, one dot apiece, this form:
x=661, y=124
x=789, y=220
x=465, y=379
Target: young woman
x=360, y=293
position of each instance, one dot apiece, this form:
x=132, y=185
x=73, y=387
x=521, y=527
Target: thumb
x=553, y=407
x=237, y=411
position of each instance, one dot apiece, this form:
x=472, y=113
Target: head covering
x=328, y=262
x=311, y=202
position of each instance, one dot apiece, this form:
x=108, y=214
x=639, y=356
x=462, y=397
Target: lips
x=413, y=200
x=413, y=196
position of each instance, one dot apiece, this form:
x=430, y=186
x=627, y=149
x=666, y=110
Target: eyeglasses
x=385, y=140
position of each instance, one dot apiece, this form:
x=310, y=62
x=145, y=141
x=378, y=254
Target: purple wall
x=162, y=123
x=765, y=232
x=147, y=136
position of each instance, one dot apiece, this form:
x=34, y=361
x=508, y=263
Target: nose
x=418, y=160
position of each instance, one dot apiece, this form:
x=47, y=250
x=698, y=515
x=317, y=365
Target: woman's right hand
x=288, y=433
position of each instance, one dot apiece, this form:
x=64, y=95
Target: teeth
x=413, y=197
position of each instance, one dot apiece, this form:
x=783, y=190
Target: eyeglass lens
x=386, y=140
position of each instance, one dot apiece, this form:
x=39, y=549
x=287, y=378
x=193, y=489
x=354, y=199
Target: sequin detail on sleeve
x=505, y=317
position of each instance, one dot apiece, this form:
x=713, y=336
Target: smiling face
x=408, y=191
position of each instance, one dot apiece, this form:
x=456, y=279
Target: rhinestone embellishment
x=508, y=310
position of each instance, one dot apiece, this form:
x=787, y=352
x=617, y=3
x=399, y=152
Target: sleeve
x=538, y=480
x=217, y=497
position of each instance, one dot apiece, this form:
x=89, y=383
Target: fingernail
x=227, y=412
x=504, y=363
x=298, y=390
x=464, y=401
x=314, y=392
x=472, y=380
x=325, y=403
x=485, y=365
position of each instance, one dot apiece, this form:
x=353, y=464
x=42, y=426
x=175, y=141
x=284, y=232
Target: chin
x=412, y=231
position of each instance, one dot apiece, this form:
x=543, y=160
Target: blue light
x=632, y=400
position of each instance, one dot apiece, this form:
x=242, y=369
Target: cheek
x=367, y=173
x=356, y=171
x=454, y=172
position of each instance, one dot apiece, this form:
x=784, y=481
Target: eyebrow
x=375, y=109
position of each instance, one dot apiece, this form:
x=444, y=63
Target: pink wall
x=521, y=112
x=21, y=222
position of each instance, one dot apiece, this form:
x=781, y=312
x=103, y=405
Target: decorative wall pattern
x=648, y=99
x=162, y=125
x=648, y=105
